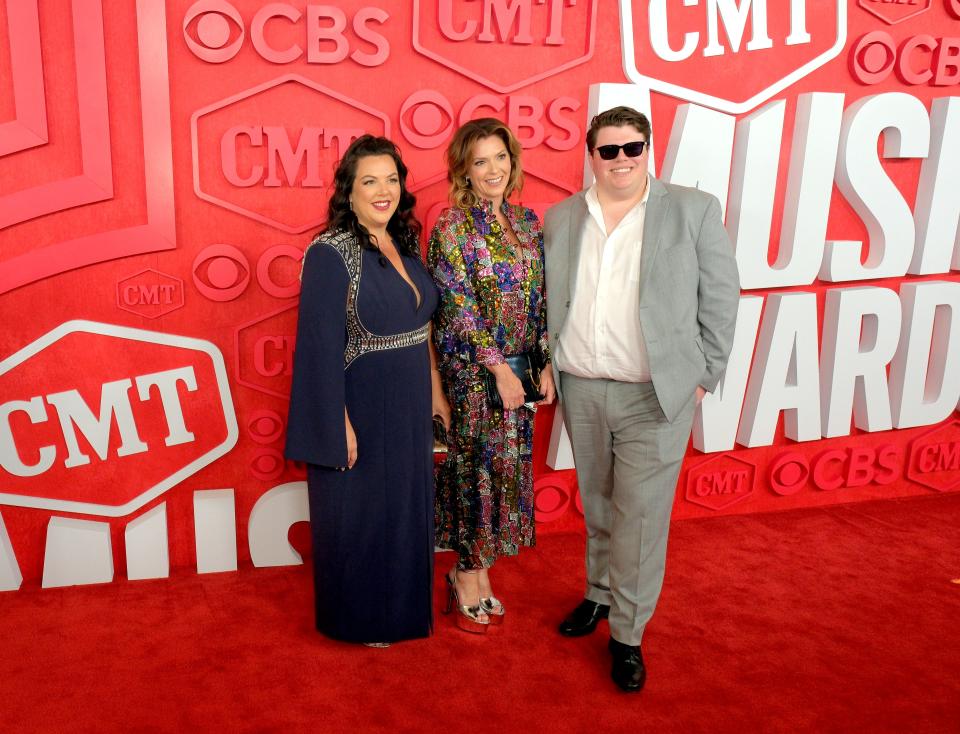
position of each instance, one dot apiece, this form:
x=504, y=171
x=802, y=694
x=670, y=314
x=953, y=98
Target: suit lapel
x=578, y=216
x=658, y=204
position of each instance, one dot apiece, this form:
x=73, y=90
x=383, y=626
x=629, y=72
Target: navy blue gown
x=362, y=343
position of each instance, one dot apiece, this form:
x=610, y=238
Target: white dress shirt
x=602, y=337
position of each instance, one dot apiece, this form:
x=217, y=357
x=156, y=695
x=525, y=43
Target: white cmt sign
x=706, y=34
x=58, y=447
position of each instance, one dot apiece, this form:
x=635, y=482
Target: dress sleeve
x=458, y=314
x=316, y=431
x=543, y=339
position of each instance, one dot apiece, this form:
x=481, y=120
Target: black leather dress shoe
x=583, y=620
x=628, y=670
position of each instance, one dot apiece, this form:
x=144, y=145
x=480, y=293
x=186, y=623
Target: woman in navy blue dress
x=362, y=403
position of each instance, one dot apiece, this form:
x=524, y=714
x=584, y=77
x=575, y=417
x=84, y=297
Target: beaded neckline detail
x=361, y=340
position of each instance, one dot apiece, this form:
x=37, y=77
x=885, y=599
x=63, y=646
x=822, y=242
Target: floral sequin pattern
x=491, y=305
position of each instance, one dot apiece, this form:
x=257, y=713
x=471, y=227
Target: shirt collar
x=593, y=202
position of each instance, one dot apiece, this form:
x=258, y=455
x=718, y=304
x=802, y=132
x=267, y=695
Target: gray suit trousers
x=628, y=457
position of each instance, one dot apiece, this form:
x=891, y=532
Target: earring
x=350, y=203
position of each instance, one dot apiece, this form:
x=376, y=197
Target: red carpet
x=841, y=619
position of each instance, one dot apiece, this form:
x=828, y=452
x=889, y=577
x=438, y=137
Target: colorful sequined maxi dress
x=491, y=305
x=362, y=344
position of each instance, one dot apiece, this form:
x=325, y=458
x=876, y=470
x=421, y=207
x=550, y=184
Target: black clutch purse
x=527, y=367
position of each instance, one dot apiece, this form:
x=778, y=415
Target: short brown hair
x=458, y=159
x=617, y=117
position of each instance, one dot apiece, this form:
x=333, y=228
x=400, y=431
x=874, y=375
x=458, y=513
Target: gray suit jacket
x=689, y=286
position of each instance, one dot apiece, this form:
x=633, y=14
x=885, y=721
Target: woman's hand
x=351, y=441
x=509, y=386
x=547, y=386
x=441, y=407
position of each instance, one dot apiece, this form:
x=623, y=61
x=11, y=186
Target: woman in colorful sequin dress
x=486, y=257
x=361, y=402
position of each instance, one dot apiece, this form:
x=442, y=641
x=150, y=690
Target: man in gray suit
x=642, y=293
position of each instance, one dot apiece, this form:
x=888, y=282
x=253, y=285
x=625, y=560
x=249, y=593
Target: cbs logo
x=222, y=272
x=214, y=31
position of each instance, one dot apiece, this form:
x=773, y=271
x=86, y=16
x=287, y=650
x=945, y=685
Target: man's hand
x=547, y=386
x=700, y=394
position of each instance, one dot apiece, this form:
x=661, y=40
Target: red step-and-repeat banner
x=164, y=163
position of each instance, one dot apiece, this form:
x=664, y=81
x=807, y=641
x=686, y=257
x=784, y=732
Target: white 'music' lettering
x=902, y=121
x=830, y=143
x=79, y=551
x=938, y=206
x=813, y=155
x=700, y=149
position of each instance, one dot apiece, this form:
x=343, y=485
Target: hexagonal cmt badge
x=894, y=12
x=100, y=419
x=150, y=293
x=247, y=159
x=698, y=51
x=505, y=45
x=263, y=352
x=720, y=482
x=935, y=458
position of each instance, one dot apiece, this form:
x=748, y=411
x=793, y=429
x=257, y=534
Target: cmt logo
x=104, y=418
x=530, y=39
x=245, y=160
x=720, y=482
x=282, y=157
x=943, y=456
x=263, y=349
x=150, y=293
x=696, y=49
x=935, y=458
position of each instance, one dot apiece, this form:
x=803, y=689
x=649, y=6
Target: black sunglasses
x=631, y=150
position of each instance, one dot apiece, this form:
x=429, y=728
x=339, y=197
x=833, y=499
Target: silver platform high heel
x=468, y=618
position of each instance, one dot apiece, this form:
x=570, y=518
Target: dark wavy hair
x=403, y=226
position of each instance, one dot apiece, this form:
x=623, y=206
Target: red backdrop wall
x=164, y=164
